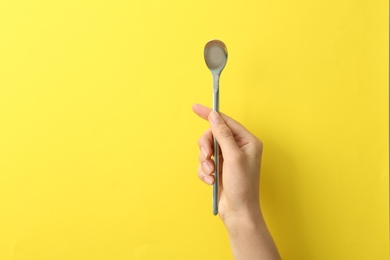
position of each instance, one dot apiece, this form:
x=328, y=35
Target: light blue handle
x=216, y=146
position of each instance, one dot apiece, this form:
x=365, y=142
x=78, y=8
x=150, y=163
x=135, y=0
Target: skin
x=239, y=204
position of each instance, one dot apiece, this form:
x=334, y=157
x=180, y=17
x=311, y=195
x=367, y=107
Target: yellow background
x=98, y=150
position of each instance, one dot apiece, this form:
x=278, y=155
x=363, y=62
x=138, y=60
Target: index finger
x=204, y=112
x=201, y=111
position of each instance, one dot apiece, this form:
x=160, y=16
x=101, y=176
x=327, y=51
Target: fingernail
x=206, y=166
x=203, y=151
x=208, y=180
x=215, y=117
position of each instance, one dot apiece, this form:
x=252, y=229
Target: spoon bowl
x=215, y=55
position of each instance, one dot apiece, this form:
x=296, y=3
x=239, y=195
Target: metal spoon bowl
x=215, y=55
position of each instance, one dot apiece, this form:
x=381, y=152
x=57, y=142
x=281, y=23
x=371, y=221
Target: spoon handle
x=216, y=146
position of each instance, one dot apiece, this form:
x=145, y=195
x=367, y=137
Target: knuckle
x=201, y=156
x=204, y=139
x=258, y=144
x=224, y=132
x=200, y=142
x=200, y=171
x=257, y=148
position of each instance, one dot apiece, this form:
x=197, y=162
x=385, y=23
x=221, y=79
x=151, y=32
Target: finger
x=207, y=165
x=201, y=111
x=208, y=179
x=223, y=134
x=235, y=126
x=241, y=135
x=205, y=144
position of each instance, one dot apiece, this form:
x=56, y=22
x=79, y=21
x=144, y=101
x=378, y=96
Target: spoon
x=215, y=55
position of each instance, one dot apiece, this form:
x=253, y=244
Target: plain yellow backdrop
x=98, y=150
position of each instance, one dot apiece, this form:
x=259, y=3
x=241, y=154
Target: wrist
x=250, y=219
x=249, y=236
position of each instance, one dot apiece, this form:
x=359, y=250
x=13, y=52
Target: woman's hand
x=239, y=206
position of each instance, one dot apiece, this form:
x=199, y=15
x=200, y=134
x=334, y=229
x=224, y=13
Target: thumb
x=223, y=134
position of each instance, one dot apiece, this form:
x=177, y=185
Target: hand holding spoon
x=215, y=55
